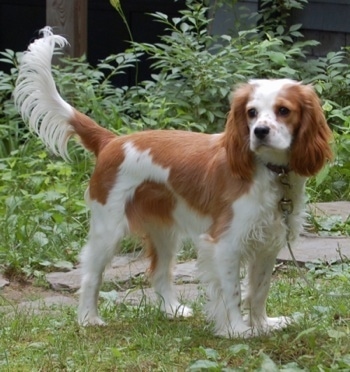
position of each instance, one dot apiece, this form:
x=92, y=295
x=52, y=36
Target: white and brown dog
x=222, y=190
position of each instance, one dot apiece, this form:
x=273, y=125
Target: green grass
x=141, y=339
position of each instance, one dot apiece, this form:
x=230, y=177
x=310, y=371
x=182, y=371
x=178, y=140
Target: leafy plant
x=12, y=131
x=43, y=217
x=192, y=74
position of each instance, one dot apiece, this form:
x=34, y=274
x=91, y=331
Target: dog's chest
x=259, y=218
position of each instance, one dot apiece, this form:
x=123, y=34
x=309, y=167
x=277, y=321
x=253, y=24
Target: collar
x=278, y=169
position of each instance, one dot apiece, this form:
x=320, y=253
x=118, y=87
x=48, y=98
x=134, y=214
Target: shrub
x=192, y=76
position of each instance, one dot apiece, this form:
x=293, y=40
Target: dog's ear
x=310, y=149
x=236, y=135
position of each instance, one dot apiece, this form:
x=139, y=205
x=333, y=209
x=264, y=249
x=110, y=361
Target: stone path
x=128, y=268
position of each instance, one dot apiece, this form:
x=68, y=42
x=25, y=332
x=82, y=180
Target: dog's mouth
x=260, y=145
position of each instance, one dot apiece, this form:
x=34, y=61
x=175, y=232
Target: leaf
x=236, y=349
x=304, y=333
x=322, y=309
x=330, y=223
x=45, y=263
x=291, y=367
x=295, y=27
x=160, y=15
x=226, y=37
x=277, y=57
x=288, y=71
x=202, y=365
x=38, y=345
x=40, y=238
x=322, y=175
x=110, y=296
x=117, y=352
x=210, y=353
x=184, y=27
x=333, y=333
x=267, y=365
x=63, y=265
x=280, y=30
x=327, y=106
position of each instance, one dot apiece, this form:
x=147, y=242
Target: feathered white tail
x=37, y=98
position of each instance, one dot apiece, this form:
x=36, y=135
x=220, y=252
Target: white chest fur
x=258, y=218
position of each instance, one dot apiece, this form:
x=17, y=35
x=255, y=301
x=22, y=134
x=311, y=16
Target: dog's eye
x=252, y=113
x=283, y=111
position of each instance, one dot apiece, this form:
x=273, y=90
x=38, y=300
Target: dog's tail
x=40, y=104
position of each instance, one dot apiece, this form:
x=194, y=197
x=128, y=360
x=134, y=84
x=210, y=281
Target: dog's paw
x=178, y=311
x=240, y=330
x=91, y=321
x=277, y=323
x=267, y=325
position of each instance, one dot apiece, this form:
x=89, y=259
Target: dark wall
x=20, y=21
x=107, y=34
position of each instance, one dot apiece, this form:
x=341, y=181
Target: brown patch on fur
x=292, y=121
x=93, y=137
x=152, y=202
x=104, y=176
x=151, y=253
x=221, y=223
x=310, y=149
x=236, y=137
x=108, y=152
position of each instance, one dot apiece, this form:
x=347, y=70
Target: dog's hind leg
x=106, y=232
x=163, y=243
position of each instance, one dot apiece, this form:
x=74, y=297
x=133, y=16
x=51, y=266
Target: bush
x=192, y=76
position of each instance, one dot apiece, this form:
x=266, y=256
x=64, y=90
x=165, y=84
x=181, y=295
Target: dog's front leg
x=219, y=269
x=257, y=282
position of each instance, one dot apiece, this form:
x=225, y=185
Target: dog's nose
x=261, y=132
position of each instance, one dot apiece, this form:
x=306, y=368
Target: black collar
x=279, y=169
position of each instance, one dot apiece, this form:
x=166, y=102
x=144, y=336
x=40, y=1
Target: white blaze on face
x=268, y=130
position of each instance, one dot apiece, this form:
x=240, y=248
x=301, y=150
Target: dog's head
x=277, y=122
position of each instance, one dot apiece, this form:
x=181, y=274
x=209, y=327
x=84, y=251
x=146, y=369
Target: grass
x=140, y=338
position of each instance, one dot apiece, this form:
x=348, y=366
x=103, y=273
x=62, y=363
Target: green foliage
x=43, y=216
x=11, y=127
x=193, y=73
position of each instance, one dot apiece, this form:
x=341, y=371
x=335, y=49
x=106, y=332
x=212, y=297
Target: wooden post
x=69, y=19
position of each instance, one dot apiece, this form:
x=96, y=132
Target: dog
x=224, y=190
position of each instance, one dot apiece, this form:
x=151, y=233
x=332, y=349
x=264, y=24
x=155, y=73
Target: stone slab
x=65, y=281
x=122, y=269
x=314, y=248
x=37, y=306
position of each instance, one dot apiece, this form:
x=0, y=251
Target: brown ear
x=310, y=149
x=236, y=136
